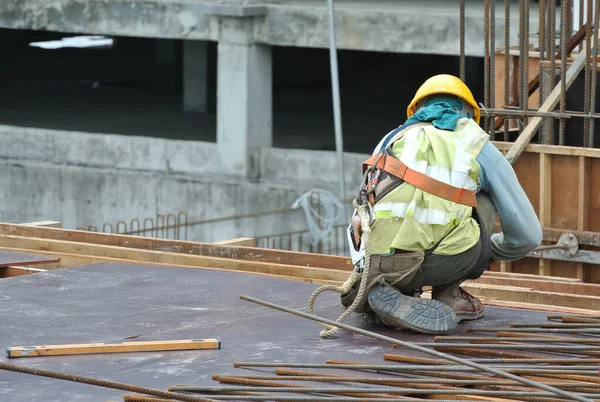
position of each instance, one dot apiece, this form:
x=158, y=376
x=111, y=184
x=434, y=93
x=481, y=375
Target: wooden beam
x=168, y=258
x=9, y=272
x=184, y=247
x=588, y=289
x=583, y=203
x=528, y=295
x=545, y=267
x=548, y=105
x=124, y=347
x=46, y=224
x=552, y=149
x=240, y=241
x=529, y=276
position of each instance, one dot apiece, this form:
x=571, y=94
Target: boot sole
x=468, y=316
x=422, y=315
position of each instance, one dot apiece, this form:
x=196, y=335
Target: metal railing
x=334, y=244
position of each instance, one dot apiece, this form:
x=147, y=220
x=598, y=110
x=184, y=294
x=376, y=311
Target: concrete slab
x=116, y=302
x=430, y=27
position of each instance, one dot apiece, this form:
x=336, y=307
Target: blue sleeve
x=521, y=229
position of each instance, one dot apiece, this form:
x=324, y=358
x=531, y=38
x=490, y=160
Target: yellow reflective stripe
x=424, y=216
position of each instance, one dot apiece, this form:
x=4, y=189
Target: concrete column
x=195, y=76
x=244, y=96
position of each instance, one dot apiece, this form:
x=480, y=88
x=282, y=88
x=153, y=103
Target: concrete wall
x=80, y=179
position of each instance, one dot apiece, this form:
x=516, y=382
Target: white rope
x=352, y=280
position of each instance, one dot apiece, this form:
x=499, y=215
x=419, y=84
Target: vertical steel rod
x=552, y=52
x=462, y=57
x=335, y=86
x=492, y=104
x=564, y=15
x=486, y=64
x=594, y=71
x=588, y=74
x=507, y=64
x=544, y=55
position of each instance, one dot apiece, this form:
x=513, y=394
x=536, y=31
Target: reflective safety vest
x=424, y=189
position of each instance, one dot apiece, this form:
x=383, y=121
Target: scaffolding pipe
x=335, y=87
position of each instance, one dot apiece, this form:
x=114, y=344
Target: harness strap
x=396, y=168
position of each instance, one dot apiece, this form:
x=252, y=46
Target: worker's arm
x=521, y=229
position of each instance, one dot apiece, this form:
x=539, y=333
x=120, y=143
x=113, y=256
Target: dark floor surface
x=111, y=302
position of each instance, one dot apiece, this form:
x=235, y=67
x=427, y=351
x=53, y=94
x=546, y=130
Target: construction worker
x=436, y=185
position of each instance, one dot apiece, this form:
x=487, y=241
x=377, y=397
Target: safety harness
x=382, y=173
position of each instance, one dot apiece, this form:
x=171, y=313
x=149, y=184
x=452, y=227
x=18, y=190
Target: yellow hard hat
x=444, y=84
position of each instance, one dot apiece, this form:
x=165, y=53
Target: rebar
x=587, y=76
x=486, y=63
x=560, y=317
x=389, y=381
x=523, y=59
x=409, y=345
x=436, y=374
x=513, y=346
x=262, y=383
x=493, y=339
x=596, y=50
x=102, y=383
x=492, y=50
x=310, y=398
x=397, y=390
x=507, y=74
x=462, y=66
x=593, y=331
x=563, y=67
x=404, y=368
x=579, y=320
x=554, y=325
x=139, y=398
x=531, y=360
x=509, y=111
x=552, y=50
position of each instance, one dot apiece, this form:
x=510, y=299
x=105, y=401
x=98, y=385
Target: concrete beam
x=195, y=76
x=244, y=97
x=431, y=27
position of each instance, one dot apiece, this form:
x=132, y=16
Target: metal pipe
x=394, y=341
x=102, y=383
x=335, y=86
x=396, y=390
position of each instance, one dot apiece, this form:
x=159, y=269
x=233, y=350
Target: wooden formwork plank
x=529, y=276
x=543, y=285
x=528, y=295
x=583, y=203
x=240, y=241
x=545, y=203
x=168, y=258
x=180, y=246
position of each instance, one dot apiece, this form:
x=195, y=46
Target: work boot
x=464, y=305
x=400, y=311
